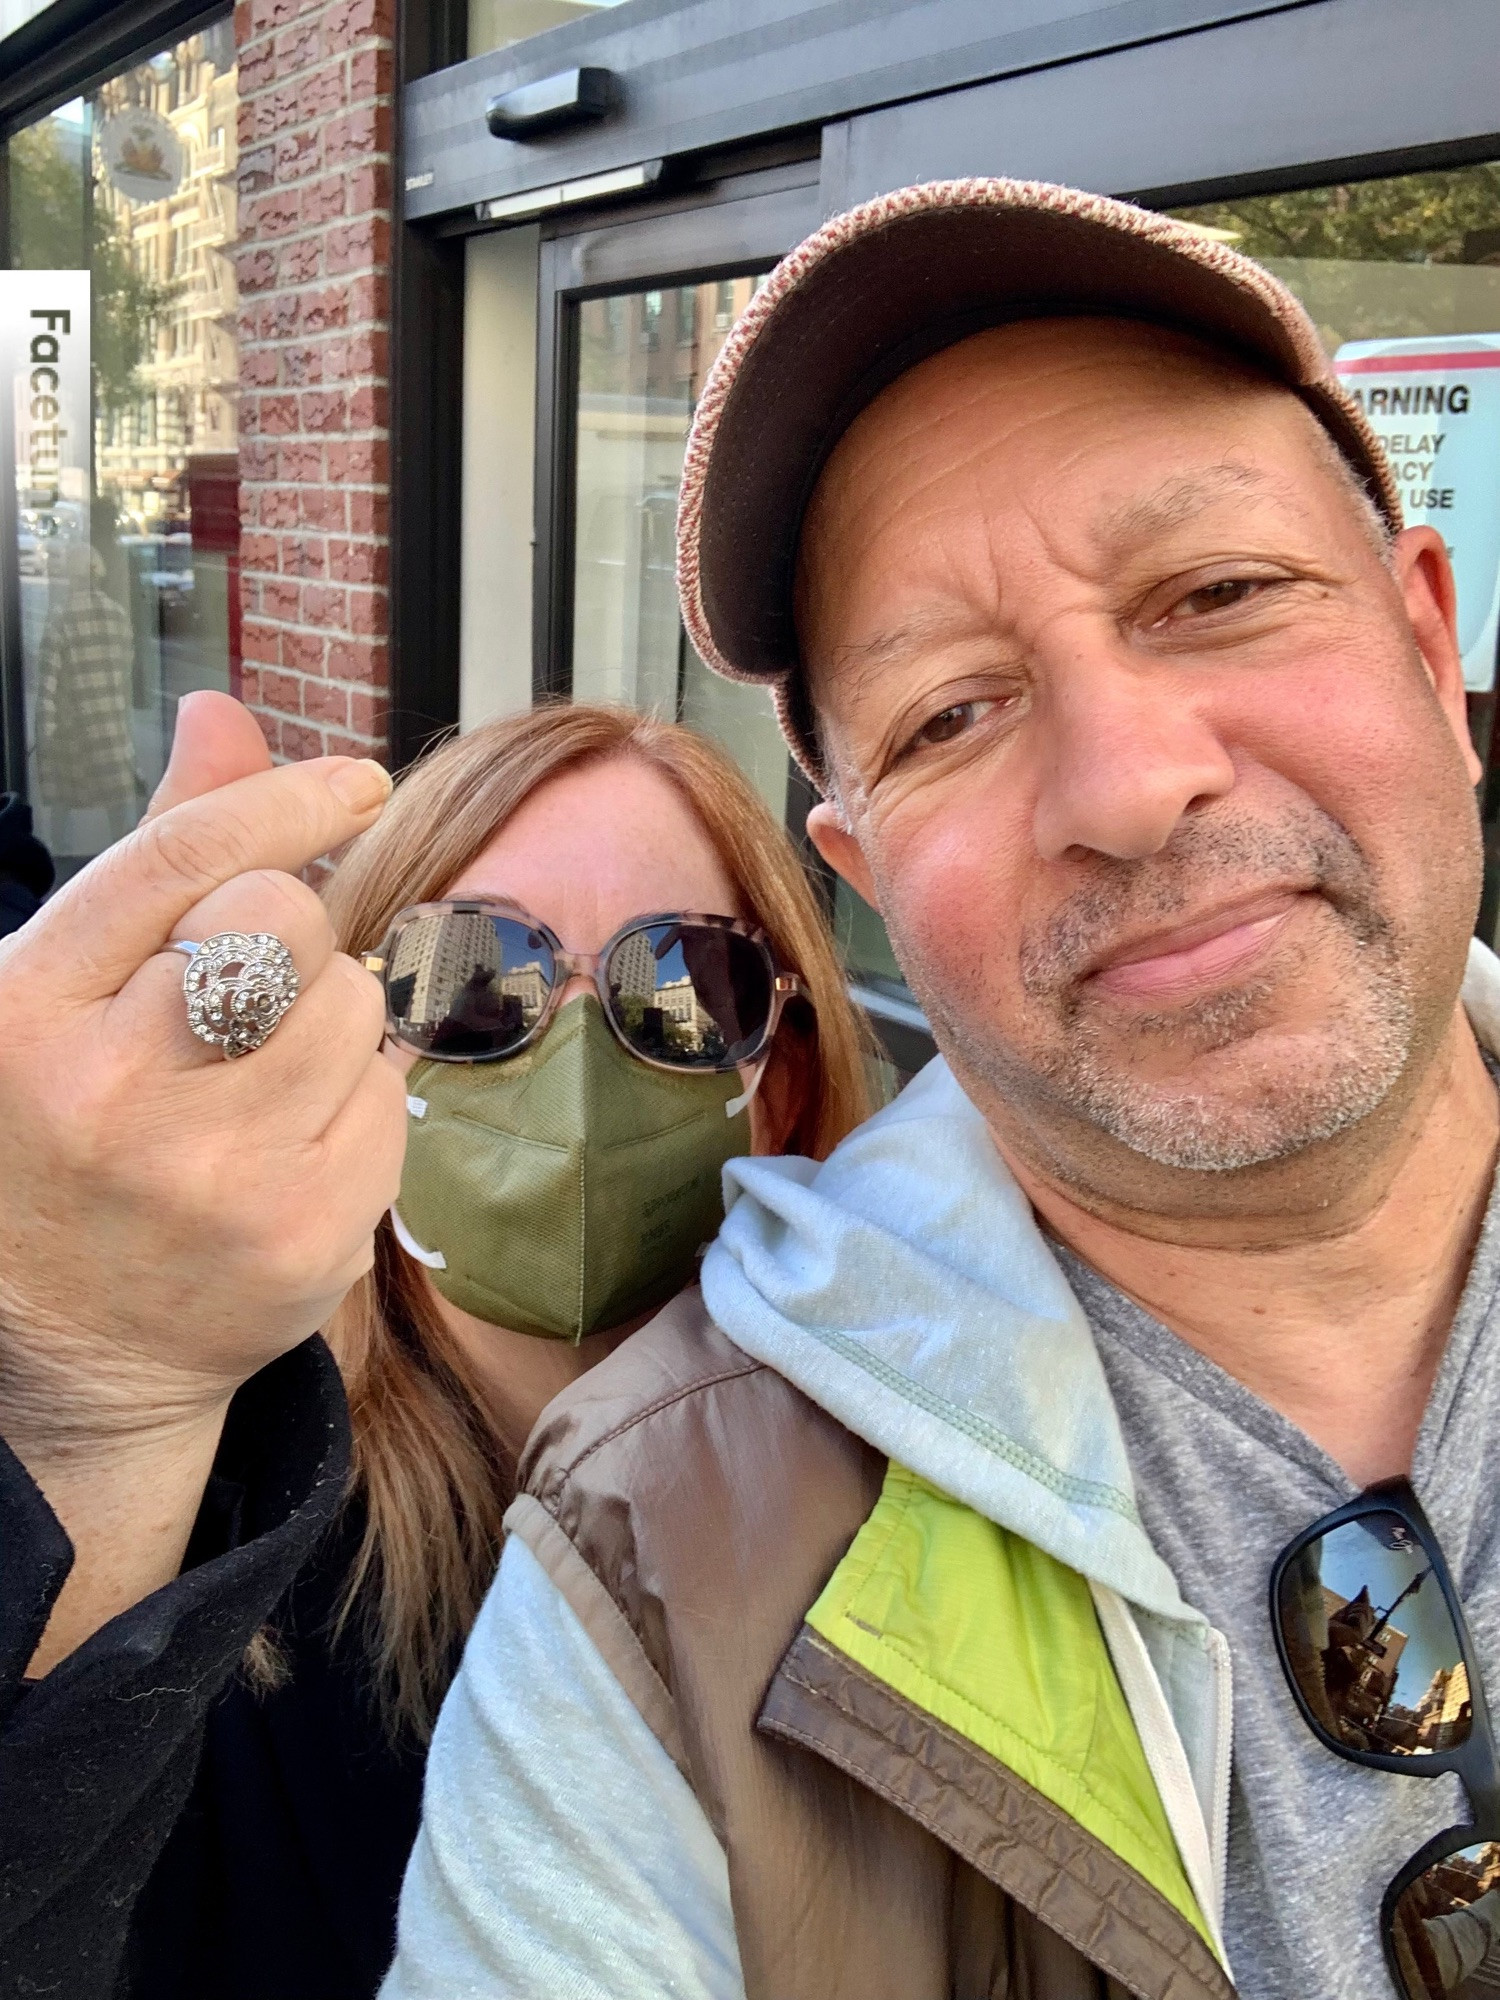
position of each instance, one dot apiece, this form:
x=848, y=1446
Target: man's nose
x=1124, y=756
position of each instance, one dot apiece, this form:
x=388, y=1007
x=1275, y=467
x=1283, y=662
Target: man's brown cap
x=880, y=288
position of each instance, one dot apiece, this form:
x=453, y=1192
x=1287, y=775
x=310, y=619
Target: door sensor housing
x=572, y=97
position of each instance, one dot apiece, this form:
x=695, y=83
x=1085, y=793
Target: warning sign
x=1435, y=404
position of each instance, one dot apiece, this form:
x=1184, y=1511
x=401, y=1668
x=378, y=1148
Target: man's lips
x=1180, y=962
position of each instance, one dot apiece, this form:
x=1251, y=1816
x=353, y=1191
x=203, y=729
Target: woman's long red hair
x=433, y=1475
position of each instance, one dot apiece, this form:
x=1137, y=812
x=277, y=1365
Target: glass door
x=119, y=559
x=619, y=376
x=643, y=357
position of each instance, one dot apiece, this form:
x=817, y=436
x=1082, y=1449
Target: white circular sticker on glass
x=142, y=155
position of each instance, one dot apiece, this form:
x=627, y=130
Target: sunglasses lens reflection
x=465, y=983
x=1446, y=1928
x=696, y=996
x=1371, y=1643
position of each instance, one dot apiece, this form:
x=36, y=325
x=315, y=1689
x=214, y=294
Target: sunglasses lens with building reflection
x=1446, y=1928
x=1371, y=1644
x=466, y=983
x=696, y=996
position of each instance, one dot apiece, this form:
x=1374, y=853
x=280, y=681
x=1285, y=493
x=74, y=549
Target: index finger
x=120, y=909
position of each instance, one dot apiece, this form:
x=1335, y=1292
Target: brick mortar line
x=300, y=674
x=299, y=628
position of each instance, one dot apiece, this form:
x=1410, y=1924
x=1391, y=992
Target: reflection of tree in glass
x=1411, y=218
x=56, y=226
x=481, y=1017
x=1379, y=259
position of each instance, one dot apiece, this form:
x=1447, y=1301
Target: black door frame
x=426, y=452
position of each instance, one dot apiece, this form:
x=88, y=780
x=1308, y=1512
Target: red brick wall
x=315, y=203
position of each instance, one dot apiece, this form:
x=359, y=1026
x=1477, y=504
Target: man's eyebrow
x=1176, y=501
x=856, y=663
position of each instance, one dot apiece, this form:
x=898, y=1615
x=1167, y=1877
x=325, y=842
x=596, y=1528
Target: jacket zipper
x=1221, y=1661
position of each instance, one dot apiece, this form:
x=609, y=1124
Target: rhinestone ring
x=238, y=985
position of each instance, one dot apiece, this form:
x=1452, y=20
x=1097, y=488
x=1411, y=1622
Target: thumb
x=216, y=741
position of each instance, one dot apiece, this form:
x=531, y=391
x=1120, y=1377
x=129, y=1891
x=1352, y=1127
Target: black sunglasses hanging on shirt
x=1376, y=1650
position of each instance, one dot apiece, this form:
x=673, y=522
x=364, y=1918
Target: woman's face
x=587, y=852
x=591, y=849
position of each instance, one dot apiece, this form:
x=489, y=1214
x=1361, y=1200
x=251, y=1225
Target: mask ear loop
x=747, y=1096
x=433, y=1259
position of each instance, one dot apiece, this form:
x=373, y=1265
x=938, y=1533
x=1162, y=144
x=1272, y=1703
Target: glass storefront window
x=642, y=359
x=497, y=24
x=126, y=556
x=1402, y=277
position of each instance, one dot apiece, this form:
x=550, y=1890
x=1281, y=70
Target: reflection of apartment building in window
x=188, y=382
x=632, y=970
x=438, y=958
x=671, y=337
x=1368, y=1653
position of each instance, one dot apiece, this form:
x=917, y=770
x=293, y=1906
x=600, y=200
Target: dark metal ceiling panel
x=715, y=72
x=1340, y=81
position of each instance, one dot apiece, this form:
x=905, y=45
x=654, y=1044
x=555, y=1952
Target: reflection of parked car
x=41, y=529
x=174, y=587
x=161, y=568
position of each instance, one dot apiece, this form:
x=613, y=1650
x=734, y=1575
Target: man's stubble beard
x=1277, y=1103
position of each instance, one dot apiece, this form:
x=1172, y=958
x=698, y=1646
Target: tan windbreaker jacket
x=693, y=1509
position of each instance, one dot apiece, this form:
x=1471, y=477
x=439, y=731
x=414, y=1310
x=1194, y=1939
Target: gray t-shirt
x=1223, y=1483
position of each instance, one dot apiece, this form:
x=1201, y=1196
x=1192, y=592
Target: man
x=886, y=1627
x=173, y=1230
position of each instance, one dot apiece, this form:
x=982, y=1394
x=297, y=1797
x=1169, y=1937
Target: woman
x=577, y=1076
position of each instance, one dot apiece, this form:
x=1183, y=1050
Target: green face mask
x=569, y=1188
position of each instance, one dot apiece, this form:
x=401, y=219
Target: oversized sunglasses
x=476, y=981
x=1377, y=1652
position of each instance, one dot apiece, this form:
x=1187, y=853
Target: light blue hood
x=904, y=1286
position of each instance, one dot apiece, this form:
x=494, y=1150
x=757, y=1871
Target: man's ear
x=1424, y=576
x=839, y=848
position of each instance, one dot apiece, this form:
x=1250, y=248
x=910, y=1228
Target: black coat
x=165, y=1832
x=26, y=871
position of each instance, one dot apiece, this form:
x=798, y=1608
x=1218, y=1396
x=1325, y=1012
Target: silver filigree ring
x=238, y=985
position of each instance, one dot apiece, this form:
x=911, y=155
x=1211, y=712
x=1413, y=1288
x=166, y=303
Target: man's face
x=1154, y=763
